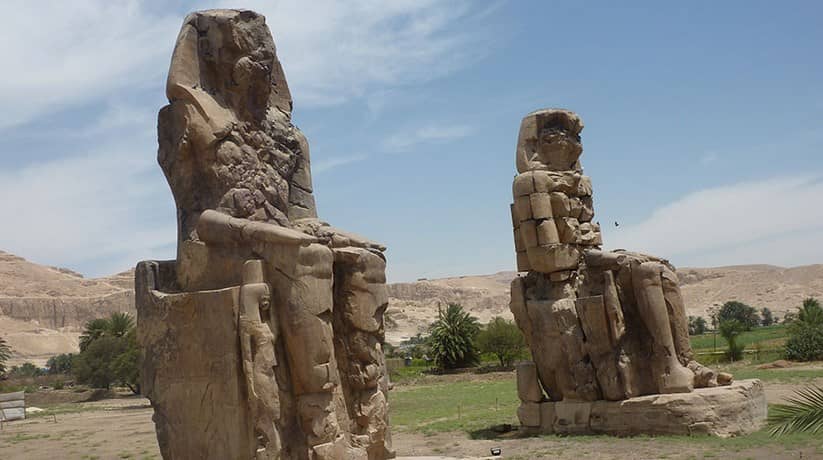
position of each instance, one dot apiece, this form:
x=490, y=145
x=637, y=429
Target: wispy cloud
x=405, y=140
x=335, y=51
x=769, y=221
x=87, y=50
x=65, y=53
x=709, y=158
x=99, y=212
x=331, y=163
x=102, y=207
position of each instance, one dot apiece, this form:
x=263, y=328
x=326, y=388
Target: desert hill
x=412, y=306
x=43, y=309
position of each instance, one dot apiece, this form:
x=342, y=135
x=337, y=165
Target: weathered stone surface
x=600, y=325
x=288, y=309
x=572, y=417
x=724, y=411
x=528, y=384
x=733, y=410
x=529, y=414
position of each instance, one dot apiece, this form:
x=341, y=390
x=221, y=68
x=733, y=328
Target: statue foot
x=678, y=380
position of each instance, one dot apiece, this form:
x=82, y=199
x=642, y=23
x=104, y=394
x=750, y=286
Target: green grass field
x=480, y=404
x=455, y=406
x=474, y=408
x=767, y=337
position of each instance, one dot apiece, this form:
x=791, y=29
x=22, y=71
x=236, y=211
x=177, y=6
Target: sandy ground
x=122, y=428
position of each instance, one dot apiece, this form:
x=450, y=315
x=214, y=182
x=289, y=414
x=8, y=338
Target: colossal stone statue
x=602, y=326
x=264, y=338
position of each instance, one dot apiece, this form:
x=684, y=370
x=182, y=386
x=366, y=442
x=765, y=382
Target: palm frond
x=802, y=413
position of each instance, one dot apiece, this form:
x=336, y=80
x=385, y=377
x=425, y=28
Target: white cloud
x=333, y=51
x=92, y=212
x=775, y=221
x=405, y=140
x=60, y=53
x=331, y=163
x=100, y=211
x=63, y=53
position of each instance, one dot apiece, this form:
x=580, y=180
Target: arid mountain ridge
x=42, y=309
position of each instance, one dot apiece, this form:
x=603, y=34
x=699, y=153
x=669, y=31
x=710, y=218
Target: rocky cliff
x=43, y=309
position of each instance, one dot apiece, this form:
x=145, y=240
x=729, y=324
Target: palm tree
x=120, y=324
x=803, y=413
x=452, y=338
x=810, y=314
x=93, y=330
x=116, y=325
x=731, y=330
x=5, y=354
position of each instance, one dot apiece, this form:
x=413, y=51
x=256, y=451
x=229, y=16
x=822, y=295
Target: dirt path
x=98, y=433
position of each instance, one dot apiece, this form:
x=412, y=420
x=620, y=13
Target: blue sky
x=703, y=121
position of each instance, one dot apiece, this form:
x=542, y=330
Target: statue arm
x=335, y=237
x=219, y=228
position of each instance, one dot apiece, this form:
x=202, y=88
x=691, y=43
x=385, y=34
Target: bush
x=740, y=312
x=806, y=333
x=25, y=370
x=417, y=347
x=766, y=317
x=60, y=364
x=697, y=325
x=805, y=344
x=109, y=353
x=731, y=330
x=503, y=339
x=5, y=354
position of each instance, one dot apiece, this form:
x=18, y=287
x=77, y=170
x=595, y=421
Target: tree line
x=108, y=356
x=458, y=340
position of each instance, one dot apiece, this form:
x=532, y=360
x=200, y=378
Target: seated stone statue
x=240, y=174
x=600, y=325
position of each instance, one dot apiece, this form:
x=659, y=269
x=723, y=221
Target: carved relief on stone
x=257, y=341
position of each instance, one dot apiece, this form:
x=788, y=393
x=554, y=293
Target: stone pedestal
x=733, y=410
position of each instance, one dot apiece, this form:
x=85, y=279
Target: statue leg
x=672, y=376
x=360, y=299
x=302, y=282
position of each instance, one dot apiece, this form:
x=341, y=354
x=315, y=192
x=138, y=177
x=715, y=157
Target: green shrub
x=25, y=370
x=740, y=312
x=697, y=325
x=5, y=354
x=60, y=364
x=731, y=330
x=806, y=333
x=108, y=353
x=766, y=317
x=805, y=344
x=503, y=339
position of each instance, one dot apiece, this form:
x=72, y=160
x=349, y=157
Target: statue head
x=549, y=140
x=230, y=55
x=255, y=294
